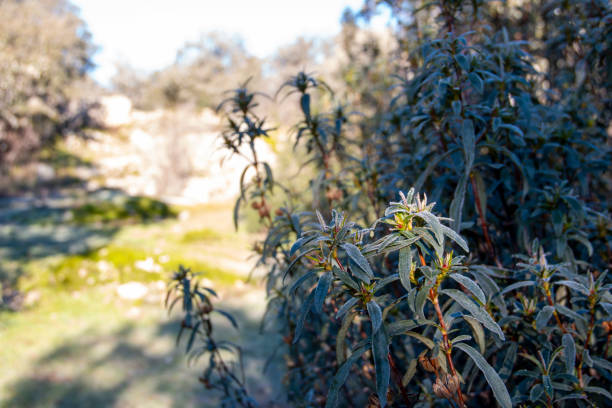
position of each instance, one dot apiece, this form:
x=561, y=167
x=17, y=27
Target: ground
x=67, y=337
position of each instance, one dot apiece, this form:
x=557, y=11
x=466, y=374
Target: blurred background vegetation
x=106, y=189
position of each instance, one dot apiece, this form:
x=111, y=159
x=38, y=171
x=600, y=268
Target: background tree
x=45, y=54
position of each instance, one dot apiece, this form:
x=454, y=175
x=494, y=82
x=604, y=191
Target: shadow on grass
x=67, y=223
x=138, y=366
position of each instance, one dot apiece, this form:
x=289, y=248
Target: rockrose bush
x=453, y=249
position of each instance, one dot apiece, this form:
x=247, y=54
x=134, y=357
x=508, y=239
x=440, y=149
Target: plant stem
x=433, y=296
x=552, y=304
x=483, y=222
x=586, y=344
x=398, y=380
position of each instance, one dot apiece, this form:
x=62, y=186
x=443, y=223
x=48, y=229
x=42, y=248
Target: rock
x=117, y=110
x=45, y=172
x=132, y=291
x=31, y=298
x=148, y=265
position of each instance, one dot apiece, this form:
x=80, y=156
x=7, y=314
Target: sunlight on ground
x=93, y=331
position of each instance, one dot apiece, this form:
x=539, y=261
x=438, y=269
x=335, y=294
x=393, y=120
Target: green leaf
x=587, y=244
x=242, y=189
x=599, y=390
x=482, y=193
x=520, y=141
x=381, y=283
x=509, y=359
x=475, y=310
x=536, y=392
x=435, y=225
x=495, y=382
x=305, y=105
x=306, y=306
x=517, y=285
x=515, y=160
x=228, y=317
x=478, y=332
x=476, y=82
x=375, y=315
x=574, y=285
x=341, y=337
x=194, y=331
x=419, y=303
x=346, y=307
x=471, y=286
x=345, y=278
x=460, y=338
x=405, y=263
x=359, y=260
x=456, y=207
x=569, y=352
x=269, y=177
x=543, y=317
x=432, y=163
x=450, y=233
x=236, y=212
x=601, y=363
x=380, y=352
x=401, y=326
x=410, y=372
x=300, y=281
x=321, y=291
x=296, y=259
x=341, y=376
x=570, y=313
x=469, y=144
x=426, y=341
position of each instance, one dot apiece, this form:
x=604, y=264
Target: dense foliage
x=500, y=114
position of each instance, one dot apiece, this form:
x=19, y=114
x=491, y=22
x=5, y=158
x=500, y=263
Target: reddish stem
x=483, y=222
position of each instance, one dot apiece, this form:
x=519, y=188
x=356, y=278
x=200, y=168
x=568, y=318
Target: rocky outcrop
x=175, y=155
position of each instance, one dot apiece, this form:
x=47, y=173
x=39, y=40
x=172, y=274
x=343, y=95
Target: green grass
x=136, y=208
x=90, y=349
x=202, y=235
x=77, y=344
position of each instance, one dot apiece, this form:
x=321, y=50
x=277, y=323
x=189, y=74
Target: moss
x=139, y=209
x=114, y=264
x=202, y=235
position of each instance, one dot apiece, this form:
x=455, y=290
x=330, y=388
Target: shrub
x=369, y=292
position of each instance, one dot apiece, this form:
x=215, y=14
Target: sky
x=147, y=33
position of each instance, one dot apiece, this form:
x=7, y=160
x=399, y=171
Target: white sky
x=147, y=33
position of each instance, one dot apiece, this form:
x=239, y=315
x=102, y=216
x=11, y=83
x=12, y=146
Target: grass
x=140, y=209
x=91, y=349
x=76, y=343
x=202, y=235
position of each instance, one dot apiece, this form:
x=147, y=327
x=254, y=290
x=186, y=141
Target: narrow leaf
x=471, y=286
x=341, y=376
x=543, y=317
x=306, y=306
x=405, y=263
x=375, y=315
x=478, y=332
x=569, y=352
x=475, y=310
x=341, y=337
x=495, y=382
x=380, y=352
x=321, y=291
x=355, y=254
